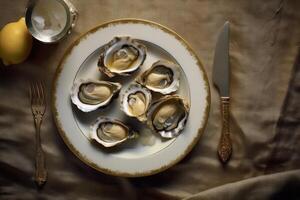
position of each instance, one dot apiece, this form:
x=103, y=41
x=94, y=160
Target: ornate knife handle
x=41, y=172
x=225, y=144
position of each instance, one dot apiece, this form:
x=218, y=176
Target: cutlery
x=221, y=81
x=38, y=107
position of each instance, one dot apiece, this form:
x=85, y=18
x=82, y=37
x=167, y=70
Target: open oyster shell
x=135, y=101
x=122, y=56
x=110, y=132
x=89, y=95
x=168, y=115
x=162, y=77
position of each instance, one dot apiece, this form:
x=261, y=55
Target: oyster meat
x=168, y=115
x=110, y=132
x=121, y=56
x=162, y=77
x=89, y=95
x=135, y=101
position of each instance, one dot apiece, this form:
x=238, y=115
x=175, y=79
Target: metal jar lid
x=71, y=17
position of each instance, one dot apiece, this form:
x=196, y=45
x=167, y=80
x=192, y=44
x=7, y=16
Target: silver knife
x=221, y=81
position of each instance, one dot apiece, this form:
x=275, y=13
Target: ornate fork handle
x=41, y=172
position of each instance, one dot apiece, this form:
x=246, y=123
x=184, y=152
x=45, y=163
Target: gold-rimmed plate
x=138, y=157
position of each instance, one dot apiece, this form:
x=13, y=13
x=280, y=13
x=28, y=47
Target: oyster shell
x=135, y=101
x=122, y=55
x=163, y=77
x=168, y=115
x=89, y=95
x=110, y=132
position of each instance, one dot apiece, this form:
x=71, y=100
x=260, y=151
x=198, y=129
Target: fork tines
x=37, y=97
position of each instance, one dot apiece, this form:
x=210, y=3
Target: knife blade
x=221, y=75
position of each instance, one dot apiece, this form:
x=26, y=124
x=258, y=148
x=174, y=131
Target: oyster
x=89, y=95
x=110, y=132
x=122, y=55
x=163, y=77
x=168, y=115
x=135, y=101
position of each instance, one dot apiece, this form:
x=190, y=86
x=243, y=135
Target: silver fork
x=38, y=107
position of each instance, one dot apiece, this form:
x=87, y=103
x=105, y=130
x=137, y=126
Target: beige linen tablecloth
x=265, y=90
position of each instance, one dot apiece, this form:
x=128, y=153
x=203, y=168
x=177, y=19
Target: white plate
x=136, y=157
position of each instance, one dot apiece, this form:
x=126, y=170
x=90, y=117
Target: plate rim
x=55, y=112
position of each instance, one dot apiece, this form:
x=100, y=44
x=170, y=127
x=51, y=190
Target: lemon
x=15, y=42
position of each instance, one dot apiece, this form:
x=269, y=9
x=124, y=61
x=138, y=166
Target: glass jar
x=50, y=20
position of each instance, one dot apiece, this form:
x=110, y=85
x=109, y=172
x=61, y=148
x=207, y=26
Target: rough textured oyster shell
x=135, y=101
x=168, y=115
x=163, y=77
x=89, y=95
x=110, y=132
x=122, y=55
